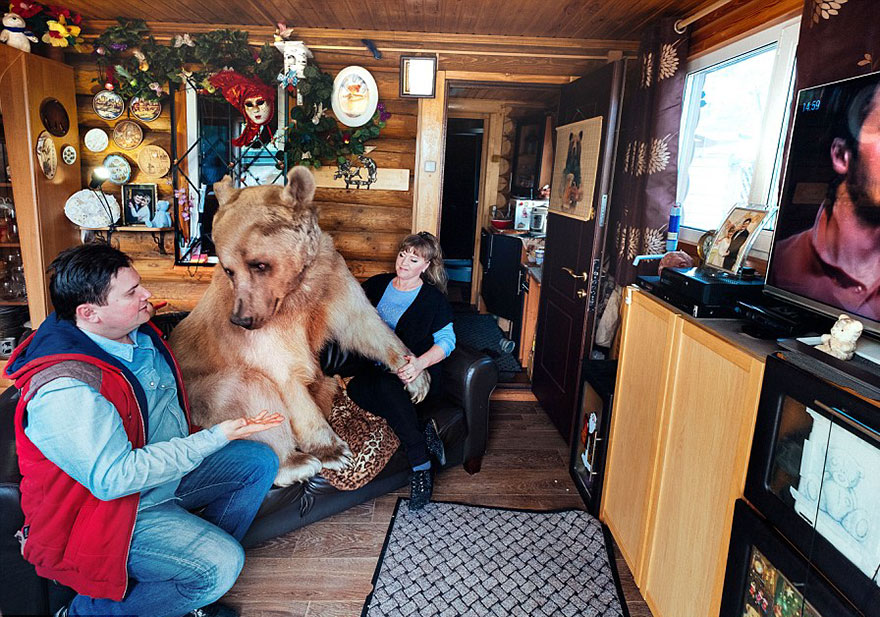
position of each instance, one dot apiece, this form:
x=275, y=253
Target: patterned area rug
x=453, y=560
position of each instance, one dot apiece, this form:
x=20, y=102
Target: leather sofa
x=461, y=413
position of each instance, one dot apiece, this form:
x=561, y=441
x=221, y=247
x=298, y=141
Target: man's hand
x=244, y=427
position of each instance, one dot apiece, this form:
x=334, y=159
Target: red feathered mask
x=253, y=98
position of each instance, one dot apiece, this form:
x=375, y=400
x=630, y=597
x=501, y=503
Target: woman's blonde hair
x=427, y=246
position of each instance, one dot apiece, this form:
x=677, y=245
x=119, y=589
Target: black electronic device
x=702, y=293
x=769, y=319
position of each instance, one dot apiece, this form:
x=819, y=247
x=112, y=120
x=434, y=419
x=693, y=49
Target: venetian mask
x=257, y=109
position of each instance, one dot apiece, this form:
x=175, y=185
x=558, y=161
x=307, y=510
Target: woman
x=412, y=302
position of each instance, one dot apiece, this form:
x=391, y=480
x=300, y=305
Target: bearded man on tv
x=837, y=260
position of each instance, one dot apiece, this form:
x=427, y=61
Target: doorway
x=458, y=216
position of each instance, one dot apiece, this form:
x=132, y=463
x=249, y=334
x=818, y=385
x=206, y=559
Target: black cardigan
x=429, y=312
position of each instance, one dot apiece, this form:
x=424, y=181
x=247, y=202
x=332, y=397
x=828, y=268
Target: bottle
x=674, y=224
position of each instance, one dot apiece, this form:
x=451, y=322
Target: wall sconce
x=418, y=76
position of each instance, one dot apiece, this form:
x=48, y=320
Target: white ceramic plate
x=47, y=155
x=96, y=140
x=68, y=154
x=355, y=96
x=119, y=167
x=91, y=210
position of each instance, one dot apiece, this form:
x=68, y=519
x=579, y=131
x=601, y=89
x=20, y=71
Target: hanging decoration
x=53, y=25
x=253, y=98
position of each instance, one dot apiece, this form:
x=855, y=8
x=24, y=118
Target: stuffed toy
x=163, y=216
x=253, y=98
x=15, y=33
x=841, y=343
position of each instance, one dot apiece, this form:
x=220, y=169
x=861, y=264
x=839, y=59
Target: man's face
x=126, y=307
x=140, y=200
x=862, y=168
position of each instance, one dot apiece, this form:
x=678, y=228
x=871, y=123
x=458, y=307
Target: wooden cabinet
x=531, y=299
x=681, y=431
x=27, y=82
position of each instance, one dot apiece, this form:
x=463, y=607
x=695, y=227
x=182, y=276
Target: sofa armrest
x=469, y=377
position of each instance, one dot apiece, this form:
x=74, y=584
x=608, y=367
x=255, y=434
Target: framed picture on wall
x=575, y=167
x=138, y=203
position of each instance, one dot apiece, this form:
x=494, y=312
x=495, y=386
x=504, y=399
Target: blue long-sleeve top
x=394, y=304
x=79, y=430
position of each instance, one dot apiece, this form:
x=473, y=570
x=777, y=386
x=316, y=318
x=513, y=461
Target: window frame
x=768, y=164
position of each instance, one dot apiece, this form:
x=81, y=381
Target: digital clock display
x=812, y=105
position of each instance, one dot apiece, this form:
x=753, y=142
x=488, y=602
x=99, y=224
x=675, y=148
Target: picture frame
x=418, y=77
x=138, y=203
x=575, y=167
x=355, y=96
x=736, y=234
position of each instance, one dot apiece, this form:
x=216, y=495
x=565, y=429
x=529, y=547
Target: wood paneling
x=430, y=146
x=738, y=19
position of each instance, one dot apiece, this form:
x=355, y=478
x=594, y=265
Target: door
x=573, y=257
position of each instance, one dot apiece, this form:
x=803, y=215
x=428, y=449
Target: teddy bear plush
x=162, y=217
x=15, y=33
x=841, y=343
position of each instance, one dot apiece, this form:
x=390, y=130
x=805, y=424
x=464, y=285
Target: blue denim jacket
x=78, y=429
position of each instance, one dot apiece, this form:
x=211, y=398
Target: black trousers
x=382, y=393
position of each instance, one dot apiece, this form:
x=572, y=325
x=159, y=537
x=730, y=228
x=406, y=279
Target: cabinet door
x=649, y=333
x=713, y=401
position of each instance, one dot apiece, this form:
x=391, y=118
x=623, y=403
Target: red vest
x=71, y=536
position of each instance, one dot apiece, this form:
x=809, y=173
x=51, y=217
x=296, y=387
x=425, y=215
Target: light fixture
x=99, y=176
x=418, y=76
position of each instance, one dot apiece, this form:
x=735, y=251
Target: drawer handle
x=580, y=277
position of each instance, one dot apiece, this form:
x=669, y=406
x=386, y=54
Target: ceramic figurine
x=163, y=216
x=15, y=33
x=841, y=343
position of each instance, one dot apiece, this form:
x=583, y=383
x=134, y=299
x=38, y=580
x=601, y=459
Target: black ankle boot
x=421, y=485
x=434, y=443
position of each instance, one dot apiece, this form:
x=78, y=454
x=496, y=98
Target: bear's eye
x=229, y=272
x=259, y=266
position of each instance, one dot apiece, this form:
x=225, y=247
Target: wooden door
x=566, y=318
x=648, y=338
x=713, y=402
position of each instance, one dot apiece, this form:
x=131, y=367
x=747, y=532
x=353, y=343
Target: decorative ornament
x=128, y=134
x=108, y=105
x=119, y=168
x=15, y=33
x=54, y=117
x=162, y=218
x=352, y=176
x=154, y=161
x=288, y=80
x=68, y=154
x=184, y=40
x=841, y=343
x=62, y=34
x=88, y=209
x=283, y=32
x=47, y=155
x=96, y=140
x=249, y=95
x=355, y=96
x=144, y=109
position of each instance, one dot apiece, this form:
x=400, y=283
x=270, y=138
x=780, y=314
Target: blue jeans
x=178, y=561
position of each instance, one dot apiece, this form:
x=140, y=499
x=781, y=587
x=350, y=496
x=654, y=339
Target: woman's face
x=410, y=265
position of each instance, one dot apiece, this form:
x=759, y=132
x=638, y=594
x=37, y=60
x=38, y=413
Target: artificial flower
x=56, y=12
x=101, y=51
x=25, y=9
x=62, y=34
x=383, y=115
x=184, y=39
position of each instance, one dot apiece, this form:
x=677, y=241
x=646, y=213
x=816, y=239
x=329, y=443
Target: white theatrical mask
x=257, y=109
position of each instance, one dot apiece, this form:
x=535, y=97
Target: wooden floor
x=325, y=569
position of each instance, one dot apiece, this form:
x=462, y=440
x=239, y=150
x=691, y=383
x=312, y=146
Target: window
x=735, y=110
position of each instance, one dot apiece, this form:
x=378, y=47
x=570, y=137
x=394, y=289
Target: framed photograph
x=138, y=203
x=355, y=96
x=575, y=168
x=418, y=76
x=735, y=237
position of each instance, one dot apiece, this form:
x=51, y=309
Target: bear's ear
x=300, y=189
x=224, y=191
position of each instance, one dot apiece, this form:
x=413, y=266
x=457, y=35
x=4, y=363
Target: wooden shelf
x=128, y=228
x=10, y=245
x=13, y=302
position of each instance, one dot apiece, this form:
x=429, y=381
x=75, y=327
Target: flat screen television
x=826, y=246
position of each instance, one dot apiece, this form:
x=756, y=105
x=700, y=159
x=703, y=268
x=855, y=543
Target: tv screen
x=826, y=247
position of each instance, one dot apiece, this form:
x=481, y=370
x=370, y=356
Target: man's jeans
x=179, y=561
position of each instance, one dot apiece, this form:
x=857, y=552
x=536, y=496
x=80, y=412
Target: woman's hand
x=243, y=427
x=412, y=369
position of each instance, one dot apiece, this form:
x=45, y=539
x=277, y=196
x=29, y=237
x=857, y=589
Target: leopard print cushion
x=371, y=440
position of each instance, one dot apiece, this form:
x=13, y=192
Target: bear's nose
x=244, y=322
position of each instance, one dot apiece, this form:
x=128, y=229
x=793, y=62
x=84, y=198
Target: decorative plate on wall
x=355, y=96
x=119, y=168
x=91, y=210
x=154, y=161
x=128, y=134
x=144, y=110
x=68, y=154
x=108, y=105
x=96, y=140
x=54, y=117
x=47, y=155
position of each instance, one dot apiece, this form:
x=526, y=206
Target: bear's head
x=266, y=237
x=846, y=330
x=13, y=20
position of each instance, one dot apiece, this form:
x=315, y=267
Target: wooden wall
x=367, y=225
x=738, y=19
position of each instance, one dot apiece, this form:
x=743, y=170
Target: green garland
x=133, y=63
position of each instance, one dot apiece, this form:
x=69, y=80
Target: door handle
x=580, y=277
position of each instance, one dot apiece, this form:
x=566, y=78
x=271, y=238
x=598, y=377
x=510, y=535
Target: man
x=837, y=261
x=737, y=240
x=110, y=462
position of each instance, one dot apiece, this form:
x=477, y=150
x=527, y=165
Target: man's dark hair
x=82, y=275
x=849, y=108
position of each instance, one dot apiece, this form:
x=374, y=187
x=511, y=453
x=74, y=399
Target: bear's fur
x=252, y=342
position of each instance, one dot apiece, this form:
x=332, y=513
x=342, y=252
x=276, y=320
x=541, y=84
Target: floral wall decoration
x=53, y=25
x=131, y=62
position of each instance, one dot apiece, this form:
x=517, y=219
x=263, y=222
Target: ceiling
x=577, y=19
